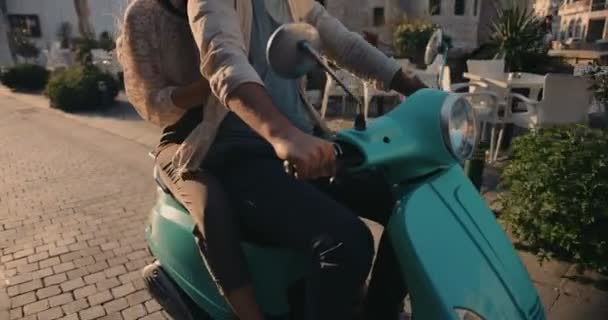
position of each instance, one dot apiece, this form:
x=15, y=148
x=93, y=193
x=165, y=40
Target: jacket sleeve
x=350, y=51
x=145, y=86
x=219, y=36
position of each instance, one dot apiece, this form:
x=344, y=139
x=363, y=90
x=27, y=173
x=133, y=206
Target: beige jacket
x=222, y=30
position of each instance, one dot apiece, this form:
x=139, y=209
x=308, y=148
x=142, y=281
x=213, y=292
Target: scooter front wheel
x=175, y=302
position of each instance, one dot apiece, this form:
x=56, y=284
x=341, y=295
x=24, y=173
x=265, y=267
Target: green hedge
x=78, y=89
x=25, y=77
x=557, y=203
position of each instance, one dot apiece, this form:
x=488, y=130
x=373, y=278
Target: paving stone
x=72, y=284
x=85, y=291
x=49, y=262
x=73, y=316
x=28, y=268
x=99, y=266
x=48, y=292
x=108, y=284
x=18, y=279
x=23, y=253
x=117, y=260
x=83, y=262
x=57, y=251
x=95, y=277
x=115, y=271
x=113, y=316
x=16, y=313
x=30, y=286
x=134, y=312
x=152, y=306
x=92, y=313
x=75, y=306
x=38, y=256
x=123, y=290
x=155, y=316
x=23, y=299
x=60, y=299
x=55, y=279
x=36, y=307
x=66, y=266
x=42, y=273
x=138, y=297
x=50, y=314
x=77, y=273
x=12, y=291
x=116, y=305
x=100, y=297
x=15, y=263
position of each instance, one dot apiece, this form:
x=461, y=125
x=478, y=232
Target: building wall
x=576, y=15
x=358, y=16
x=5, y=56
x=52, y=13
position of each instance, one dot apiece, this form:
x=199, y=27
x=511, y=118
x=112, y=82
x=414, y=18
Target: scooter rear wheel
x=175, y=302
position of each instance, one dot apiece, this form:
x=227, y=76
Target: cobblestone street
x=73, y=202
x=75, y=192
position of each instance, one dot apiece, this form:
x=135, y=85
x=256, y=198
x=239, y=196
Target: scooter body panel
x=454, y=254
x=171, y=240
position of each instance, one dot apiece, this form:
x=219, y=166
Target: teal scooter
x=455, y=257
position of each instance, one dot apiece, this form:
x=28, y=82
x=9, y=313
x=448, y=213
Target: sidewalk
x=565, y=294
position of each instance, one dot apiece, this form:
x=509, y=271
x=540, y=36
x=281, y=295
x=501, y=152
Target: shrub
x=518, y=33
x=78, y=89
x=410, y=39
x=106, y=42
x=558, y=199
x=25, y=77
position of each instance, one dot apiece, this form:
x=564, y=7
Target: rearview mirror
x=433, y=47
x=285, y=54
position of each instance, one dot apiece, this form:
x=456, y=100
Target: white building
x=584, y=19
x=461, y=19
x=41, y=19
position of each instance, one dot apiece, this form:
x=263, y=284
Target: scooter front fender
x=454, y=254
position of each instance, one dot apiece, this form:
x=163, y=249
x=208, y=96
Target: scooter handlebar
x=346, y=157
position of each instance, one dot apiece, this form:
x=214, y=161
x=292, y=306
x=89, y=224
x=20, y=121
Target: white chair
x=333, y=89
x=566, y=99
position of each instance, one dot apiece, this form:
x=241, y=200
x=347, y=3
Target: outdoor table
x=519, y=80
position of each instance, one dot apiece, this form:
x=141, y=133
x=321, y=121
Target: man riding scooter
x=259, y=120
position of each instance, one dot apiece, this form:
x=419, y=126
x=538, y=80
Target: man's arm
x=351, y=51
x=217, y=32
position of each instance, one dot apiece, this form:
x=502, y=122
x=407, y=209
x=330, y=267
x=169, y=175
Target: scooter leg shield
x=455, y=255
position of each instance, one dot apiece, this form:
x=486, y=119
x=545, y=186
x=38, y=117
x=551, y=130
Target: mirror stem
x=360, y=122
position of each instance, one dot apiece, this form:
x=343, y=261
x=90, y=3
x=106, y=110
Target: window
x=459, y=7
x=435, y=7
x=475, y=7
x=378, y=16
x=27, y=24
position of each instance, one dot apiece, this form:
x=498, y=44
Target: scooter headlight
x=459, y=126
x=464, y=314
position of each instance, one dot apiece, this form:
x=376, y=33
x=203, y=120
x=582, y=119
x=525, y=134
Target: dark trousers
x=276, y=209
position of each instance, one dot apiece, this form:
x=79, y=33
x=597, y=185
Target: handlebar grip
x=291, y=170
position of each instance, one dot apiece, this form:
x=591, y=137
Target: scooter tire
x=175, y=302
